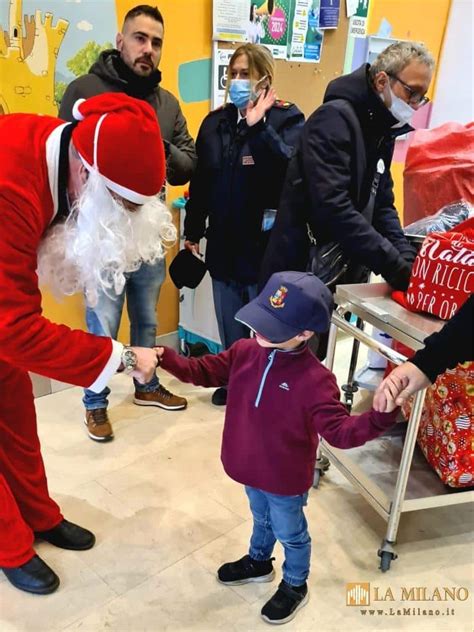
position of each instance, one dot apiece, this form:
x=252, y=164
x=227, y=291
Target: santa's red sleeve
x=28, y=340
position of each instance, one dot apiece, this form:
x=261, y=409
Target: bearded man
x=80, y=205
x=133, y=68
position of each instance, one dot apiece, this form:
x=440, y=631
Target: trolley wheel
x=386, y=558
x=323, y=463
x=317, y=477
x=185, y=349
x=349, y=390
x=322, y=466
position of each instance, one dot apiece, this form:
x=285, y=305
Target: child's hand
x=386, y=395
x=398, y=386
x=383, y=402
x=159, y=353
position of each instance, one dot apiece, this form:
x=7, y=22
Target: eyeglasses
x=415, y=98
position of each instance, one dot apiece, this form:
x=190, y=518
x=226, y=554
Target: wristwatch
x=129, y=361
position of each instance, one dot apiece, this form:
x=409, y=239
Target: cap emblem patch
x=277, y=299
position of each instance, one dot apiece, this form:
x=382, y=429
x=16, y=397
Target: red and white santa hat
x=119, y=136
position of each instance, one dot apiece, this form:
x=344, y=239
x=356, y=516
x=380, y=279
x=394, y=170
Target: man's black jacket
x=110, y=74
x=338, y=159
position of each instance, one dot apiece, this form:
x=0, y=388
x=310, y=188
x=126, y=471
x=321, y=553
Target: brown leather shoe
x=98, y=425
x=161, y=398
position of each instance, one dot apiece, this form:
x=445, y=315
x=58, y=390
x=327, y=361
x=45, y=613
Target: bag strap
x=349, y=113
x=368, y=212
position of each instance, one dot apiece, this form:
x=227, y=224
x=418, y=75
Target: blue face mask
x=239, y=92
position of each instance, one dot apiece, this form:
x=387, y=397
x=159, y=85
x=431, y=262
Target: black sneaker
x=285, y=603
x=246, y=570
x=219, y=397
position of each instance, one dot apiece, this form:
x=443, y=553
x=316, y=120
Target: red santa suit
x=29, y=162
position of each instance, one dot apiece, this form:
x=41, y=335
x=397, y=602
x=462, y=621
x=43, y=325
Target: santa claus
x=78, y=209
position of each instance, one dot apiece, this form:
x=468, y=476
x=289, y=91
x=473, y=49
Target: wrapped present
x=446, y=433
x=442, y=277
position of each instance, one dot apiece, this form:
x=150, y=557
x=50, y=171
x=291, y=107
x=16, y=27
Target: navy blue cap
x=290, y=302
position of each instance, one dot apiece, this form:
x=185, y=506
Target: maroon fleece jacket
x=278, y=402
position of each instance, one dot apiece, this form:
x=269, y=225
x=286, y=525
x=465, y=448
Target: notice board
x=304, y=83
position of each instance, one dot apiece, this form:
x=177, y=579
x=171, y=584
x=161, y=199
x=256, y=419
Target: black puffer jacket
x=240, y=172
x=110, y=74
x=338, y=160
x=450, y=346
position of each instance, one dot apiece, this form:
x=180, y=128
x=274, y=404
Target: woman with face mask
x=243, y=150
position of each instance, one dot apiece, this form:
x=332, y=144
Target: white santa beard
x=100, y=241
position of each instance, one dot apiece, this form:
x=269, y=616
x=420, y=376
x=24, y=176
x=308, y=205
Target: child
x=280, y=398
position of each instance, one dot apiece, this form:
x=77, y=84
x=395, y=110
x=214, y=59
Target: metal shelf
x=390, y=471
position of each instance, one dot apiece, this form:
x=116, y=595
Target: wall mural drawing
x=44, y=45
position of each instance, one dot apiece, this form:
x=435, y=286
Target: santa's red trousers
x=25, y=505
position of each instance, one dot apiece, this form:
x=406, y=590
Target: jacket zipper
x=271, y=357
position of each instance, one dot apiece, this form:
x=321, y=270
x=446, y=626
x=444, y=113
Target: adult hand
x=159, y=353
x=396, y=388
x=147, y=361
x=398, y=276
x=256, y=111
x=192, y=246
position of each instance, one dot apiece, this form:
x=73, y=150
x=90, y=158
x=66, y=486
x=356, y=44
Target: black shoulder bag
x=328, y=261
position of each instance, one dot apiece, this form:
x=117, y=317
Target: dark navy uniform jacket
x=239, y=174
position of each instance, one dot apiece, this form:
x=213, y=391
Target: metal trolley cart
x=410, y=484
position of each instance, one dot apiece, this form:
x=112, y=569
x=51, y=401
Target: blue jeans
x=229, y=297
x=281, y=518
x=142, y=289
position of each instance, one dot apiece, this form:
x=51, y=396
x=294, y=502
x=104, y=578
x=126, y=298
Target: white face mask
x=400, y=109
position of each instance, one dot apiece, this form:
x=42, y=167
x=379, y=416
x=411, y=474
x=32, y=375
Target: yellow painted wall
x=418, y=20
x=187, y=38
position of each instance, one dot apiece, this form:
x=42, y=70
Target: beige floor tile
x=172, y=470
x=183, y=597
x=81, y=590
x=230, y=547
x=166, y=517
x=161, y=530
x=227, y=492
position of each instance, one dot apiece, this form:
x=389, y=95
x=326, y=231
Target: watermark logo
x=358, y=594
x=412, y=600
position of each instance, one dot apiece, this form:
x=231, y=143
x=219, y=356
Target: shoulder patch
x=283, y=105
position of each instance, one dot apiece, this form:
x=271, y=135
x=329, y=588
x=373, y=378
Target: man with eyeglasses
x=343, y=161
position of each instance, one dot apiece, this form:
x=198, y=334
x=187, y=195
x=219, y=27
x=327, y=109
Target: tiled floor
x=166, y=517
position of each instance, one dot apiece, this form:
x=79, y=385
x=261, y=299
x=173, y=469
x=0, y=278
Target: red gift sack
x=442, y=277
x=446, y=431
x=438, y=169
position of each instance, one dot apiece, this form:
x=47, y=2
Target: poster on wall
x=230, y=20
x=273, y=19
x=220, y=62
x=356, y=34
x=358, y=20
x=329, y=14
x=257, y=21
x=306, y=39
